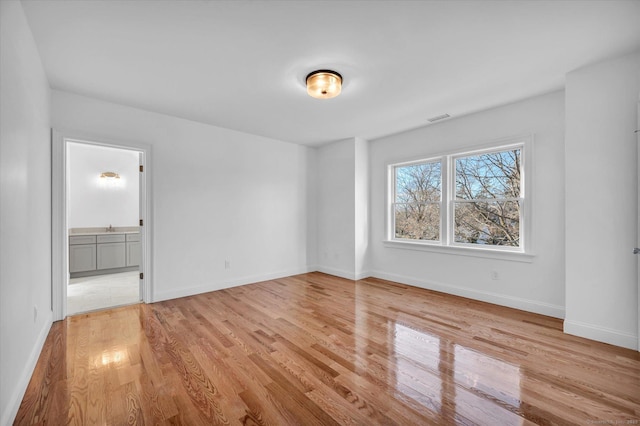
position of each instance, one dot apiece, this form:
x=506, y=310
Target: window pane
x=491, y=175
x=418, y=221
x=495, y=223
x=418, y=183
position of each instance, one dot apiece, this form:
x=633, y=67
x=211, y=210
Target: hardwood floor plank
x=257, y=411
x=315, y=349
x=306, y=411
x=46, y=371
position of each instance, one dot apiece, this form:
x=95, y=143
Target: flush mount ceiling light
x=324, y=84
x=110, y=175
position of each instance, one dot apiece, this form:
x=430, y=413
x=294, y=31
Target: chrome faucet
x=110, y=228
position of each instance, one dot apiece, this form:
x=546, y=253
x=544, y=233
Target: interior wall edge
x=21, y=387
x=601, y=334
x=349, y=275
x=362, y=275
x=537, y=307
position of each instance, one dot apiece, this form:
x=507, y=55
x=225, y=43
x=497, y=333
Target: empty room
x=319, y=212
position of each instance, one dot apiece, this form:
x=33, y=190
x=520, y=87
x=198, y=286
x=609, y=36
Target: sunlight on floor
x=102, y=291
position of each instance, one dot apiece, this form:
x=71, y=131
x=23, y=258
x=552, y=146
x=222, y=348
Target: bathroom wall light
x=324, y=84
x=109, y=180
x=109, y=175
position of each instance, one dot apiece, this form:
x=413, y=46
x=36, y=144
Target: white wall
x=336, y=208
x=602, y=201
x=25, y=200
x=361, y=208
x=343, y=208
x=217, y=195
x=100, y=202
x=537, y=286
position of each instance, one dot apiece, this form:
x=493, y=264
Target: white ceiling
x=242, y=64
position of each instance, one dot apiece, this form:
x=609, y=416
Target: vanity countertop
x=77, y=232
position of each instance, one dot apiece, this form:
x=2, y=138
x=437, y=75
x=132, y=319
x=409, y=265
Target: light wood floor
x=316, y=349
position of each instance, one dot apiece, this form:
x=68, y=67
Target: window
x=487, y=198
x=472, y=199
x=418, y=195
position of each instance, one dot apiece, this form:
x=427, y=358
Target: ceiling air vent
x=438, y=118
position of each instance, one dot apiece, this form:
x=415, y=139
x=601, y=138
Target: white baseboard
x=11, y=410
x=341, y=272
x=222, y=284
x=349, y=275
x=362, y=275
x=535, y=306
x=601, y=334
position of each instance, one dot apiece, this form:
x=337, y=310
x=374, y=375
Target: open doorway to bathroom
x=103, y=198
x=101, y=211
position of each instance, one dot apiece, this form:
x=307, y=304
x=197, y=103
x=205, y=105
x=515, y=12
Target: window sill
x=462, y=251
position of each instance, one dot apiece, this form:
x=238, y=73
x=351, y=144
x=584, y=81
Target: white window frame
x=447, y=243
x=440, y=160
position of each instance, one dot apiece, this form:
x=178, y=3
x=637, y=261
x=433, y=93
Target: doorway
x=100, y=198
x=102, y=222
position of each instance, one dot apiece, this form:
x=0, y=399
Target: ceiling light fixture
x=324, y=84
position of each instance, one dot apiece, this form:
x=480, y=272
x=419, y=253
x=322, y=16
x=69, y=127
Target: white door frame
x=59, y=228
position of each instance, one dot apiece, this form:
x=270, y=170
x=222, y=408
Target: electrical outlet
x=494, y=275
x=35, y=313
x=227, y=264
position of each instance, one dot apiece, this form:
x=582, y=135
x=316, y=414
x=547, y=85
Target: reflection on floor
x=102, y=291
x=315, y=349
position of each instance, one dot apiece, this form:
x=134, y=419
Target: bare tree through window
x=418, y=195
x=487, y=199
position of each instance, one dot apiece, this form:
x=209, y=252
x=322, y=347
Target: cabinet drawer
x=116, y=238
x=82, y=239
x=133, y=237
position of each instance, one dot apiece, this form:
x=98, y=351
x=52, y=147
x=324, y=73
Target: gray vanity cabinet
x=134, y=249
x=111, y=251
x=103, y=252
x=82, y=253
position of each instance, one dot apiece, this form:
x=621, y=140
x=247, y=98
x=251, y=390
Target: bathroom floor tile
x=102, y=292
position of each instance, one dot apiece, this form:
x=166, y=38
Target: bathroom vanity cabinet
x=103, y=253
